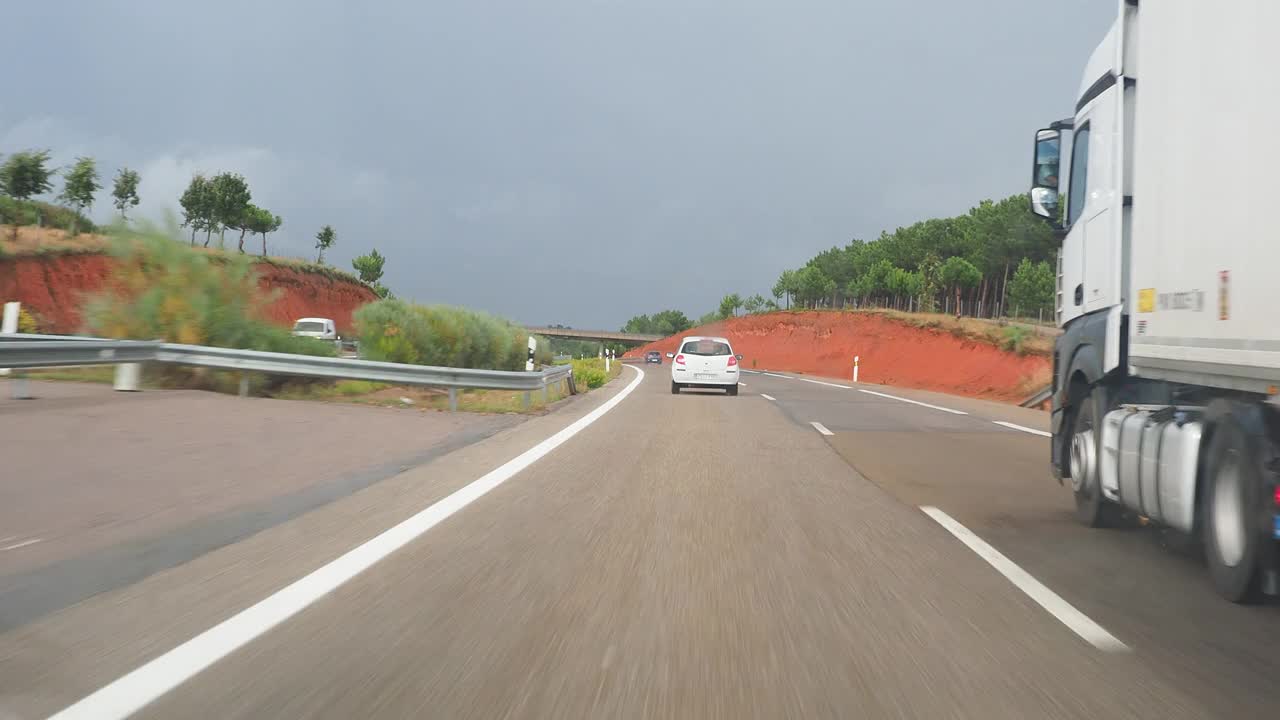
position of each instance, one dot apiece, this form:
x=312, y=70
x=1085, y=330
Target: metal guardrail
x=23, y=352
x=1039, y=398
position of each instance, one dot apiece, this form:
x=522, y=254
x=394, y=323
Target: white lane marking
x=913, y=402
x=819, y=382
x=753, y=372
x=23, y=544
x=768, y=397
x=1023, y=428
x=784, y=377
x=821, y=428
x=1078, y=622
x=7, y=539
x=742, y=384
x=141, y=687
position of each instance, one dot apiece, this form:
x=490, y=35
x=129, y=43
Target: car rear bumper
x=684, y=377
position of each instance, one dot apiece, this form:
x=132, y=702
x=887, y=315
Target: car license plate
x=704, y=376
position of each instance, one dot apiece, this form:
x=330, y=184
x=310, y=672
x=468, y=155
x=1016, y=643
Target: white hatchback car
x=706, y=362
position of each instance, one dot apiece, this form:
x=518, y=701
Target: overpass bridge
x=601, y=335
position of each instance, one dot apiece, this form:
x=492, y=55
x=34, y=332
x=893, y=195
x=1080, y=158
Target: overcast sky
x=557, y=161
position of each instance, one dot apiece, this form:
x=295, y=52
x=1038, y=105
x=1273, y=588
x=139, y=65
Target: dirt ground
x=890, y=352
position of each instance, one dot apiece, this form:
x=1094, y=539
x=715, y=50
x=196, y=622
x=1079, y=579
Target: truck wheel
x=675, y=388
x=1085, y=445
x=1232, y=538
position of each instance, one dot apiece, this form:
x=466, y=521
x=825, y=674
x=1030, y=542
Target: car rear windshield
x=653, y=353
x=309, y=327
x=705, y=347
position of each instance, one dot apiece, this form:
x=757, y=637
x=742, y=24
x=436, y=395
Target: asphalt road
x=675, y=556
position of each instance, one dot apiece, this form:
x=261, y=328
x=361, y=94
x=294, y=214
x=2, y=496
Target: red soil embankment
x=53, y=287
x=890, y=353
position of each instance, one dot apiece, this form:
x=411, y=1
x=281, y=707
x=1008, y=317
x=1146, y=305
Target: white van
x=318, y=328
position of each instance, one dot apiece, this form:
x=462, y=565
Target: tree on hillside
x=369, y=268
x=1031, y=288
x=80, y=184
x=325, y=239
x=754, y=304
x=231, y=198
x=711, y=317
x=197, y=208
x=960, y=274
x=786, y=286
x=26, y=174
x=666, y=322
x=258, y=221
x=730, y=305
x=812, y=287
x=124, y=191
x=265, y=222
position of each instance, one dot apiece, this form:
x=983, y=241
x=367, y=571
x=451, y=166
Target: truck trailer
x=1164, y=398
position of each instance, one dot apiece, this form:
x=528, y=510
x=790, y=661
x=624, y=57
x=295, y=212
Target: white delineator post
x=9, y=324
x=855, y=368
x=608, y=355
x=127, y=378
x=533, y=345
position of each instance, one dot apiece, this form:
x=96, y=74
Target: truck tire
x=1092, y=509
x=1232, y=536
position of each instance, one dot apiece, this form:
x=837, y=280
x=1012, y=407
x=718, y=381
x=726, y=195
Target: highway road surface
x=806, y=549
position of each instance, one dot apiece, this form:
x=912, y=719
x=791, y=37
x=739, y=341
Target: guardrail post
x=527, y=399
x=127, y=377
x=546, y=398
x=244, y=385
x=453, y=399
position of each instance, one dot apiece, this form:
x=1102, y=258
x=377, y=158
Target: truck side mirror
x=1044, y=174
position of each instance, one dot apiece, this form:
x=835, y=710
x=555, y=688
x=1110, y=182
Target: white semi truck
x=1164, y=398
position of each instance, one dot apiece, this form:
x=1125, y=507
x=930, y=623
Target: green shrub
x=1015, y=339
x=34, y=212
x=589, y=372
x=162, y=289
x=393, y=330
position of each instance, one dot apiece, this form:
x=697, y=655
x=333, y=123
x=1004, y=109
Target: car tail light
x=1276, y=496
x=680, y=359
x=732, y=361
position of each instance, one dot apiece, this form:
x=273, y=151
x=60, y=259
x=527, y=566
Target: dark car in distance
x=653, y=356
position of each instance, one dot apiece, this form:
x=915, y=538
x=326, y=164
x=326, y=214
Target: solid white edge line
x=1014, y=426
x=784, y=377
x=1065, y=612
x=819, y=382
x=144, y=685
x=742, y=384
x=821, y=428
x=23, y=544
x=768, y=397
x=913, y=402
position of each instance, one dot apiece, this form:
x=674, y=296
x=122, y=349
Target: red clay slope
x=53, y=286
x=890, y=352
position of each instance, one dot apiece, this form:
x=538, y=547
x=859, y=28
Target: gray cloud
x=564, y=160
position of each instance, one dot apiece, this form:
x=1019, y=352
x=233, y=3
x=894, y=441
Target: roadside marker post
x=9, y=326
x=127, y=375
x=533, y=345
x=855, y=368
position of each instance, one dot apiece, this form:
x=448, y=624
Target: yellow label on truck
x=1147, y=300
